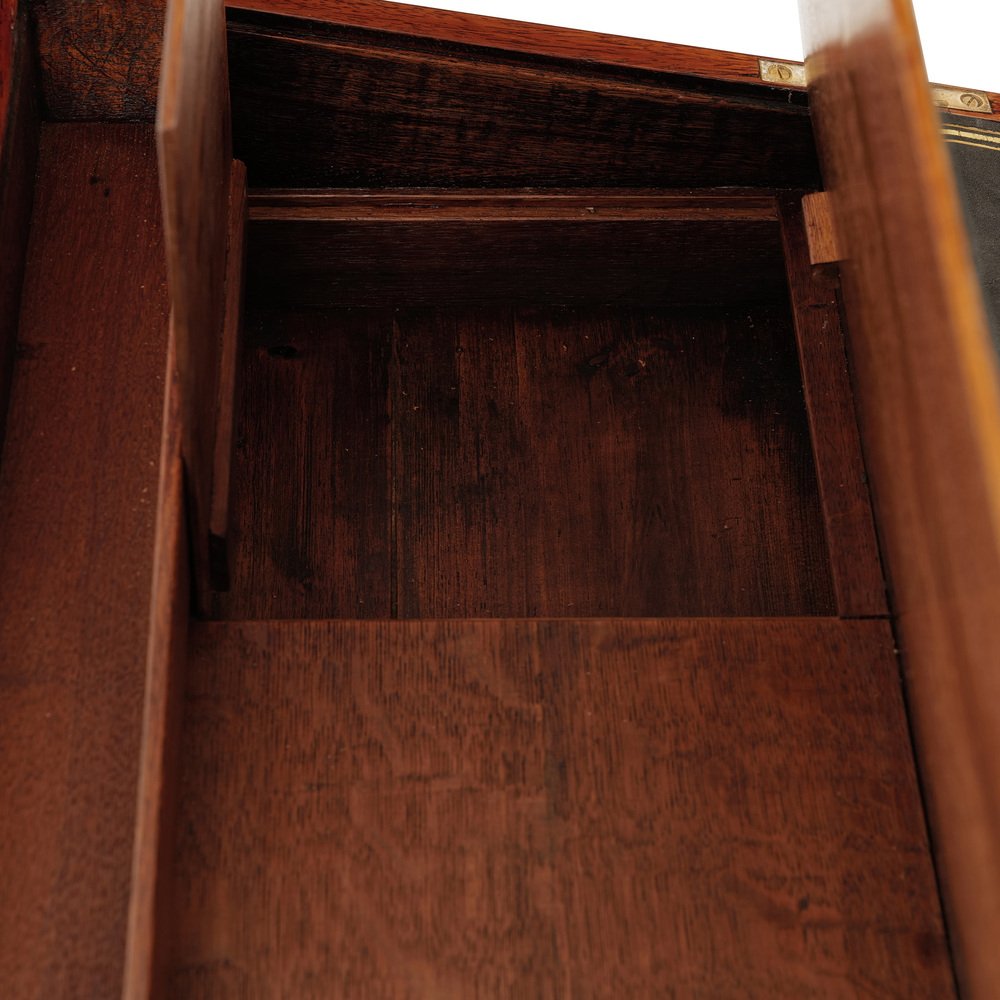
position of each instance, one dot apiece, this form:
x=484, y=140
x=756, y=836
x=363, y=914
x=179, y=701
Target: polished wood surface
x=18, y=156
x=77, y=496
x=149, y=905
x=321, y=106
x=600, y=809
x=497, y=461
x=929, y=402
x=859, y=581
x=196, y=166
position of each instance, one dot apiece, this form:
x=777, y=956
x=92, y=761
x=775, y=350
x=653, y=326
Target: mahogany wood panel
x=152, y=861
x=18, y=156
x=322, y=106
x=547, y=809
x=497, y=461
x=843, y=483
x=196, y=170
x=77, y=499
x=316, y=264
x=930, y=416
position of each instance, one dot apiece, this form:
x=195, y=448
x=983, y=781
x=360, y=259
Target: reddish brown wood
x=843, y=482
x=603, y=808
x=99, y=60
x=311, y=505
x=493, y=461
x=220, y=540
x=18, y=156
x=821, y=228
x=196, y=166
x=77, y=500
x=322, y=106
x=152, y=861
x=929, y=402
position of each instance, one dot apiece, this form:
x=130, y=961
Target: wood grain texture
x=320, y=106
x=156, y=811
x=518, y=36
x=929, y=403
x=545, y=809
x=497, y=461
x=77, y=498
x=18, y=157
x=196, y=164
x=317, y=263
x=821, y=228
x=99, y=61
x=219, y=527
x=843, y=482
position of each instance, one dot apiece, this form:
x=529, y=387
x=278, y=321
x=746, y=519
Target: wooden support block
x=821, y=232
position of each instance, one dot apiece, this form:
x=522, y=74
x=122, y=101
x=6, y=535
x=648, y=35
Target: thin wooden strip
x=193, y=135
x=220, y=538
x=847, y=511
x=436, y=206
x=149, y=903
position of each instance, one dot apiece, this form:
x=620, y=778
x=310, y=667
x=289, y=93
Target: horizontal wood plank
x=325, y=106
x=604, y=808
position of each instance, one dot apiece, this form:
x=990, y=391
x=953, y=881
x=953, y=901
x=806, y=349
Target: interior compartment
x=522, y=418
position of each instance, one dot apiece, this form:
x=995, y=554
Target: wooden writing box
x=466, y=488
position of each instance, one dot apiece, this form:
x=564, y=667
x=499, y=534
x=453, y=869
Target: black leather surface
x=974, y=144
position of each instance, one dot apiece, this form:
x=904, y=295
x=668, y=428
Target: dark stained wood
x=929, y=406
x=18, y=156
x=196, y=167
x=542, y=461
x=99, y=60
x=77, y=502
x=311, y=504
x=843, y=483
x=543, y=809
x=152, y=861
x=322, y=106
x=315, y=262
x=220, y=542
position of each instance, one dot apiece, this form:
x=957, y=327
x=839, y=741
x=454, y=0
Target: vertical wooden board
x=929, y=404
x=195, y=150
x=77, y=500
x=311, y=499
x=18, y=156
x=543, y=809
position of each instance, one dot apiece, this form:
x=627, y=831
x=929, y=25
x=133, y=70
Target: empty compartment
x=521, y=418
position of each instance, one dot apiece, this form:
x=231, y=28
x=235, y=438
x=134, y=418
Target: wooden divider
x=929, y=402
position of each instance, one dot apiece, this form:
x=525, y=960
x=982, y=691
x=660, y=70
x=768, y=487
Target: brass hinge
x=787, y=74
x=956, y=99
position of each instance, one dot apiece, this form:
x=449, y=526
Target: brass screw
x=973, y=101
x=783, y=72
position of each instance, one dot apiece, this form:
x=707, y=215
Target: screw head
x=973, y=101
